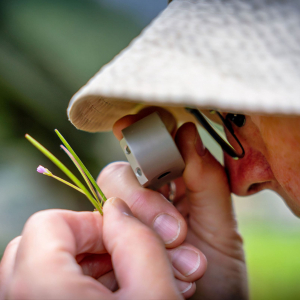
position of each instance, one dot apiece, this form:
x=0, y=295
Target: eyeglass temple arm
x=229, y=127
x=226, y=147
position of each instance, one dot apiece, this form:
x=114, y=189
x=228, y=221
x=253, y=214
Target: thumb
x=140, y=260
x=210, y=208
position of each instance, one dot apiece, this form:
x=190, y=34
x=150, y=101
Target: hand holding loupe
x=152, y=152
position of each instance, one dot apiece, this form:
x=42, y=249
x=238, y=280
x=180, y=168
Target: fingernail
x=167, y=227
x=120, y=205
x=199, y=146
x=184, y=286
x=185, y=260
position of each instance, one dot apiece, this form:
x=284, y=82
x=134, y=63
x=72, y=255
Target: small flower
x=43, y=170
x=85, y=173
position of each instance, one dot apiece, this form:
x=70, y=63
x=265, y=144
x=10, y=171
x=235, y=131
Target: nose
x=250, y=174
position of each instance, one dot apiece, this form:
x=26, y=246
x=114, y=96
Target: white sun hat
x=231, y=55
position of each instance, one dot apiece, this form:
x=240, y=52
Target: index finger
x=47, y=255
x=73, y=232
x=151, y=207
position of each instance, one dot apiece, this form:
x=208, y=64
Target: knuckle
x=140, y=197
x=13, y=243
x=42, y=217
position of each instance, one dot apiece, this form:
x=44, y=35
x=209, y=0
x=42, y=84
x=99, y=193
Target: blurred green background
x=48, y=50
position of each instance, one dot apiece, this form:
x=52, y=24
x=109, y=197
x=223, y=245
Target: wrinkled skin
x=70, y=255
x=200, y=224
x=272, y=161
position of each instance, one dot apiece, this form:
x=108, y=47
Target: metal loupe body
x=151, y=152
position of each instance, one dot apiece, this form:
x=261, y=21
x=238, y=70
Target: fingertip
x=123, y=123
x=187, y=289
x=168, y=228
x=167, y=118
x=189, y=264
x=185, y=138
x=117, y=204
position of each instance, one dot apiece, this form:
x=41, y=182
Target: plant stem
x=82, y=173
x=64, y=169
x=67, y=183
x=81, y=165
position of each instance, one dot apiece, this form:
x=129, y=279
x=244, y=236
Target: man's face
x=272, y=154
x=272, y=158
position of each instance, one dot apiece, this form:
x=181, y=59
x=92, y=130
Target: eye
x=237, y=120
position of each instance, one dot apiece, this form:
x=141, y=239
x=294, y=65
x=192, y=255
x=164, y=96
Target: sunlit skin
x=199, y=227
x=271, y=162
x=272, y=158
x=63, y=254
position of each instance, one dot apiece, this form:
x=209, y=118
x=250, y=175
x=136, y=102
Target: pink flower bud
x=41, y=169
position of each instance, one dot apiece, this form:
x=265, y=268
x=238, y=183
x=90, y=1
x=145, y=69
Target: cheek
x=287, y=176
x=282, y=142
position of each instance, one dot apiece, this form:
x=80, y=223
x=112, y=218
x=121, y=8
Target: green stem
x=82, y=173
x=81, y=165
x=64, y=169
x=67, y=183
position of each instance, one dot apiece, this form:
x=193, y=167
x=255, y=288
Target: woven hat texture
x=231, y=55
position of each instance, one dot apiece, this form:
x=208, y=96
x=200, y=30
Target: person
x=203, y=193
x=56, y=238
x=182, y=61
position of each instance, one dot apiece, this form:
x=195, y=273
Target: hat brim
x=237, y=56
